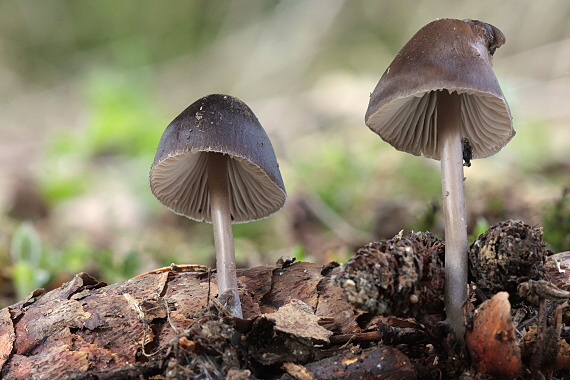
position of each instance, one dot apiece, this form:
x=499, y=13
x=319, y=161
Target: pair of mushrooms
x=215, y=163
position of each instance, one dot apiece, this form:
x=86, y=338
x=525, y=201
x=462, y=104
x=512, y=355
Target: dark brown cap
x=446, y=54
x=222, y=124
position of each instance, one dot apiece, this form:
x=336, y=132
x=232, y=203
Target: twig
x=558, y=318
x=209, y=287
x=168, y=317
x=370, y=336
x=173, y=268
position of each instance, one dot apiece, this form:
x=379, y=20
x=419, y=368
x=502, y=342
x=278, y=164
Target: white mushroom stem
x=218, y=187
x=451, y=156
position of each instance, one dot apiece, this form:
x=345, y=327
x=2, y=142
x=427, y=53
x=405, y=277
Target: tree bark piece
x=380, y=362
x=126, y=329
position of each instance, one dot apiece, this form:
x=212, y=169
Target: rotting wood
x=86, y=326
x=169, y=325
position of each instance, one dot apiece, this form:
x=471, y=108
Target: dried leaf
x=298, y=371
x=297, y=318
x=492, y=342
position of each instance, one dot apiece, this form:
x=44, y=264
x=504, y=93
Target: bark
x=88, y=329
x=169, y=325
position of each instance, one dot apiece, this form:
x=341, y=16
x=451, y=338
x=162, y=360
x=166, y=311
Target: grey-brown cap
x=223, y=124
x=446, y=54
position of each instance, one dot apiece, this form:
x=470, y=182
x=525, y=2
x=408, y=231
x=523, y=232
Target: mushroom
x=215, y=163
x=438, y=94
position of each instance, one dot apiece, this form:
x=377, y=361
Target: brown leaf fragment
x=298, y=371
x=297, y=318
x=380, y=362
x=238, y=374
x=491, y=341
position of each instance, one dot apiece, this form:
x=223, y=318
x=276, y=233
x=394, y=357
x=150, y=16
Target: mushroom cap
x=446, y=54
x=222, y=124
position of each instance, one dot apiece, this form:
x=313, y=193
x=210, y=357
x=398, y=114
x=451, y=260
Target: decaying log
x=88, y=329
x=168, y=324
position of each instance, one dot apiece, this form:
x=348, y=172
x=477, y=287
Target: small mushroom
x=439, y=90
x=215, y=163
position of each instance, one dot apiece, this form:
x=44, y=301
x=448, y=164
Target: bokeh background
x=87, y=88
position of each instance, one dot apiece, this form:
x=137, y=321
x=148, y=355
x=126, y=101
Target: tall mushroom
x=439, y=90
x=215, y=163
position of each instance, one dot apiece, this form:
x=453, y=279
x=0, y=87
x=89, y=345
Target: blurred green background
x=87, y=88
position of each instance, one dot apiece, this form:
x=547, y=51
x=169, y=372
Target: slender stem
x=541, y=322
x=451, y=156
x=218, y=187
